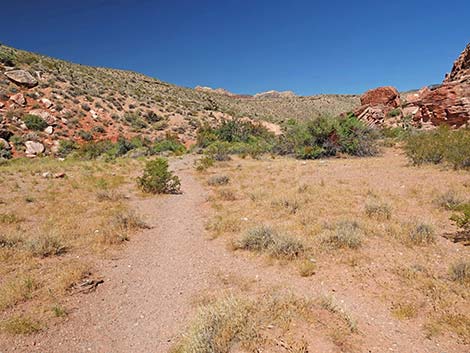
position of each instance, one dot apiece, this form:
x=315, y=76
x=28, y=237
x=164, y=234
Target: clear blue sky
x=309, y=47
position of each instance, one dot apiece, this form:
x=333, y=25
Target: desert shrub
x=448, y=200
x=92, y=150
x=307, y=268
x=231, y=323
x=266, y=239
x=421, y=234
x=204, y=163
x=394, y=112
x=85, y=135
x=217, y=180
x=219, y=151
x=462, y=216
x=344, y=234
x=158, y=179
x=325, y=137
x=45, y=246
x=460, y=272
x=439, y=146
x=20, y=325
x=169, y=144
x=128, y=221
x=379, y=210
x=4, y=153
x=66, y=147
x=34, y=122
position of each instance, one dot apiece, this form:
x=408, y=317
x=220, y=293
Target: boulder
x=34, y=148
x=46, y=102
x=45, y=115
x=18, y=99
x=4, y=145
x=49, y=130
x=1, y=105
x=21, y=77
x=386, y=96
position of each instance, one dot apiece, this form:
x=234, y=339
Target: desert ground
x=361, y=259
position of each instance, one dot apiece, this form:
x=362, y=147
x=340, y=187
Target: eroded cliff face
x=446, y=104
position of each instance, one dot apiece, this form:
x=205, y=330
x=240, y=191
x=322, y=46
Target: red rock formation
x=461, y=68
x=447, y=104
x=387, y=96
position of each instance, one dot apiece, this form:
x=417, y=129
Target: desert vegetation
x=319, y=218
x=57, y=218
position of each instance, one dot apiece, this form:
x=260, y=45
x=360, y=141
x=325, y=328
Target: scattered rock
x=59, y=175
x=34, y=148
x=45, y=115
x=1, y=105
x=46, y=102
x=49, y=130
x=4, y=144
x=18, y=99
x=21, y=77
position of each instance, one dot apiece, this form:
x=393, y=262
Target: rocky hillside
x=45, y=100
x=445, y=104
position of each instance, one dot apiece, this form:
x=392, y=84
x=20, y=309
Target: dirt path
x=149, y=291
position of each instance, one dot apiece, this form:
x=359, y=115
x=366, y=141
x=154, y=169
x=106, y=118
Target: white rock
x=49, y=130
x=34, y=148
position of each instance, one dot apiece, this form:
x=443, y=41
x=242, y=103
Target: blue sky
x=309, y=47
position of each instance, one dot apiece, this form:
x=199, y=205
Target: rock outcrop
x=275, y=94
x=21, y=77
x=445, y=104
x=461, y=69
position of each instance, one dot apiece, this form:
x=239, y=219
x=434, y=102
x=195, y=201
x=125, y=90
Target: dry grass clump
x=460, y=272
x=265, y=239
x=344, y=234
x=218, y=180
x=20, y=324
x=448, y=200
x=45, y=245
x=329, y=303
x=405, y=311
x=307, y=268
x=421, y=234
x=378, y=210
x=241, y=323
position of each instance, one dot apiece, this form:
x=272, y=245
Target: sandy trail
x=148, y=295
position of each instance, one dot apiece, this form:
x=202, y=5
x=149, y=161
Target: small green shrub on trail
x=157, y=179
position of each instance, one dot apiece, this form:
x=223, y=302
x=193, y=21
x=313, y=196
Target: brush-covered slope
x=84, y=103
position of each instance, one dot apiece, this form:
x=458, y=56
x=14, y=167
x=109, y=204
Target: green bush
x=439, y=146
x=34, y=122
x=66, y=147
x=462, y=217
x=157, y=179
x=168, y=145
x=325, y=137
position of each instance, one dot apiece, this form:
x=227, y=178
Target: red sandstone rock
x=461, y=69
x=387, y=96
